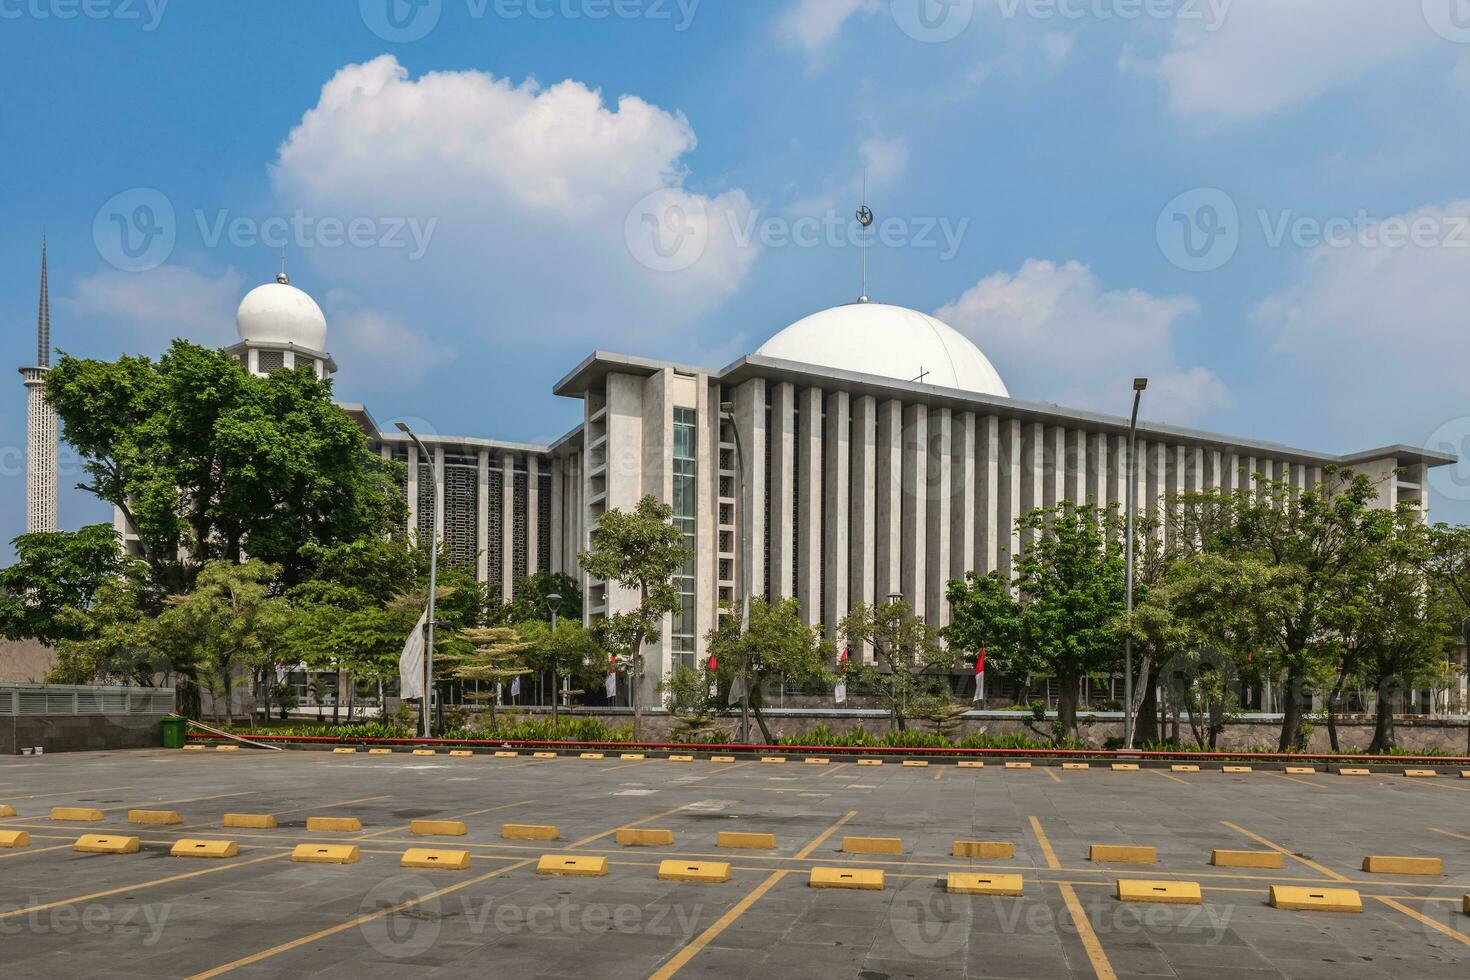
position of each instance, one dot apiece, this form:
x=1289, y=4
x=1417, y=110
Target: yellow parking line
x=1049, y=771
x=138, y=887
x=1277, y=847
x=690, y=951
x=1440, y=927
x=1046, y=851
x=1166, y=775
x=822, y=837
x=681, y=958
x=1449, y=833
x=1087, y=934
x=330, y=806
x=22, y=852
x=354, y=923
x=1295, y=779
x=827, y=772
x=68, y=792
x=192, y=799
x=723, y=768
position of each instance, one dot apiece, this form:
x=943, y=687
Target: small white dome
x=279, y=313
x=890, y=342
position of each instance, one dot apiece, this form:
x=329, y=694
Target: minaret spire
x=40, y=422
x=865, y=219
x=43, y=316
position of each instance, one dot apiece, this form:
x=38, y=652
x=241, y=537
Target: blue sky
x=1262, y=205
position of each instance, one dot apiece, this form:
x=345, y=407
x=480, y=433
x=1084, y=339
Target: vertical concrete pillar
x=706, y=516
x=1033, y=474
x=482, y=516
x=809, y=507
x=750, y=423
x=1118, y=470
x=783, y=496
x=1194, y=469
x=1158, y=470
x=936, y=497
x=1074, y=476
x=837, y=489
x=962, y=513
x=889, y=495
x=864, y=522
x=507, y=526
x=558, y=503
x=1010, y=500
x=1097, y=469
x=989, y=533
x=915, y=523
x=533, y=513
x=1054, y=466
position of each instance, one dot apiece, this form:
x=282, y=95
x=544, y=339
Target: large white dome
x=891, y=342
x=279, y=313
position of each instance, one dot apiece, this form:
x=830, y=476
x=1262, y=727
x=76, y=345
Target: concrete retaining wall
x=79, y=733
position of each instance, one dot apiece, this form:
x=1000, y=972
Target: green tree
x=1057, y=617
x=55, y=572
x=210, y=462
x=496, y=655
x=530, y=602
x=112, y=639
x=1314, y=543
x=687, y=699
x=1394, y=626
x=913, y=660
x=639, y=551
x=777, y=648
x=570, y=651
x=230, y=622
x=1448, y=565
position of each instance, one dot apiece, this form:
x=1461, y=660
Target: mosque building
x=865, y=451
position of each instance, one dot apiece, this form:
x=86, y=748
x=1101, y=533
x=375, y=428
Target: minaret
x=40, y=423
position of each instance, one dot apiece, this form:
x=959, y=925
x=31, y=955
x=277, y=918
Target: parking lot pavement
x=261, y=913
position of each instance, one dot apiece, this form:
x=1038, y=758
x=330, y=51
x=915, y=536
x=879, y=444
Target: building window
x=462, y=511
x=495, y=537
x=267, y=361
x=520, y=536
x=543, y=517
x=685, y=503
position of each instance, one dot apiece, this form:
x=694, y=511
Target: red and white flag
x=980, y=674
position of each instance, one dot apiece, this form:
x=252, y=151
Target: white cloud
x=1258, y=58
x=376, y=351
x=811, y=25
x=149, y=309
x=543, y=230
x=1057, y=335
x=1372, y=336
x=886, y=161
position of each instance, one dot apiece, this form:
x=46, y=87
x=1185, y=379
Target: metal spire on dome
x=865, y=219
x=281, y=277
x=43, y=316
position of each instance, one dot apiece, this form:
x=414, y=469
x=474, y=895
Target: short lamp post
x=428, y=710
x=553, y=602
x=1131, y=492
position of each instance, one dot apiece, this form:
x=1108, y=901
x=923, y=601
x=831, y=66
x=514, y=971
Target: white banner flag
x=515, y=688
x=411, y=662
x=737, y=690
x=611, y=685
x=841, y=691
x=714, y=689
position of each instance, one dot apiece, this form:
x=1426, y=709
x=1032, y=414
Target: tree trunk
x=229, y=698
x=1146, y=722
x=337, y=696
x=1067, y=704
x=760, y=721
x=1292, y=737
x=1332, y=701
x=1140, y=691
x=1383, y=731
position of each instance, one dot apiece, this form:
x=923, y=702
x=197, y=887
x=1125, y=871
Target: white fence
x=34, y=700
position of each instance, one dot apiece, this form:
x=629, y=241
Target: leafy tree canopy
x=55, y=572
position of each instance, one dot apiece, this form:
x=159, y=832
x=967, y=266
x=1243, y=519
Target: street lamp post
x=428, y=710
x=1139, y=384
x=742, y=549
x=893, y=597
x=553, y=600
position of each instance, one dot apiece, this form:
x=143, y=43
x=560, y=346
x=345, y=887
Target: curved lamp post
x=553, y=602
x=1139, y=384
x=428, y=712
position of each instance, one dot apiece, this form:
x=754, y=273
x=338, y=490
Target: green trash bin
x=174, y=728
